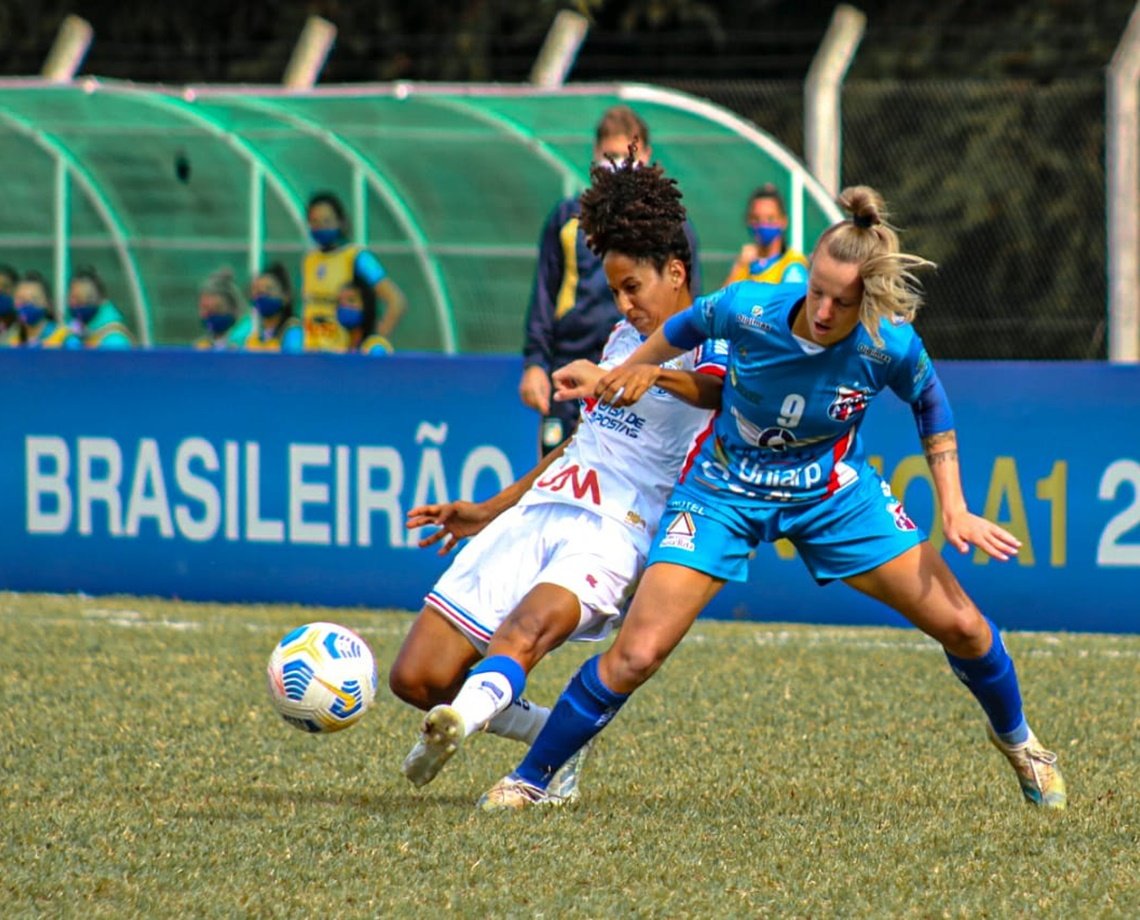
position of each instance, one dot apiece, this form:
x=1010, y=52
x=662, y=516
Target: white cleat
x=510, y=794
x=1036, y=769
x=442, y=733
x=564, y=784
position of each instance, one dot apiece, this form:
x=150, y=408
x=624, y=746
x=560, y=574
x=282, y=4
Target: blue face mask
x=218, y=323
x=31, y=314
x=266, y=306
x=7, y=305
x=325, y=237
x=765, y=234
x=84, y=312
x=349, y=317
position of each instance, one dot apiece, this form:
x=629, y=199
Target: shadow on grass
x=268, y=803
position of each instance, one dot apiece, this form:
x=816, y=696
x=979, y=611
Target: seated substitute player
x=219, y=305
x=768, y=257
x=356, y=313
x=271, y=326
x=94, y=319
x=562, y=561
x=38, y=326
x=786, y=460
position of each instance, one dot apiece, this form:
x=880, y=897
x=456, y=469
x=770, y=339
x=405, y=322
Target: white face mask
x=606, y=163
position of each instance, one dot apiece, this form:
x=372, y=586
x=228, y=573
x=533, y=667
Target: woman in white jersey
x=558, y=553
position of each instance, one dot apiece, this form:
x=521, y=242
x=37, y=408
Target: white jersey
x=623, y=462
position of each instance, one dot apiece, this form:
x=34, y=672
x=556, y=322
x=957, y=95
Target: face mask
x=84, y=312
x=612, y=165
x=218, y=323
x=325, y=236
x=7, y=305
x=349, y=317
x=267, y=306
x=30, y=314
x=765, y=234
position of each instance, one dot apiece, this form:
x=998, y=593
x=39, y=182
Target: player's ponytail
x=891, y=289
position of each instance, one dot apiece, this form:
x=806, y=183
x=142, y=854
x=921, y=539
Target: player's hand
x=963, y=530
x=455, y=521
x=534, y=389
x=625, y=385
x=576, y=380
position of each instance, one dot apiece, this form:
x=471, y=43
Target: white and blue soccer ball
x=322, y=677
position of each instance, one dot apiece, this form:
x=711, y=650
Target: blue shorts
x=845, y=534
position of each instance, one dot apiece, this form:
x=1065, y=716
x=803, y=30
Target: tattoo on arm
x=941, y=448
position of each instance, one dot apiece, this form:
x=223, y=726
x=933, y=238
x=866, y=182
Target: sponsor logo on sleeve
x=874, y=354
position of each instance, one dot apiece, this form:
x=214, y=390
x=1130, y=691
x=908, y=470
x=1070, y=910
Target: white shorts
x=587, y=554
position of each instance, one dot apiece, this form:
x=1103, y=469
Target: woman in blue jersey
x=767, y=257
x=786, y=460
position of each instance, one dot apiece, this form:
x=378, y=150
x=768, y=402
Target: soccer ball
x=322, y=677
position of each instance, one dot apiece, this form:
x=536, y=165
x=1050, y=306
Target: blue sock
x=583, y=710
x=993, y=681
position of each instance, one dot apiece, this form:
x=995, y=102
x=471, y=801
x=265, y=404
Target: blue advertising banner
x=254, y=477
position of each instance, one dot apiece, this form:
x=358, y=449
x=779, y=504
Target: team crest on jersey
x=680, y=532
x=901, y=518
x=848, y=401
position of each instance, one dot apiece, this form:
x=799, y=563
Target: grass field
x=768, y=771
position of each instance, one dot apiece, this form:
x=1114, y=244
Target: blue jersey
x=788, y=430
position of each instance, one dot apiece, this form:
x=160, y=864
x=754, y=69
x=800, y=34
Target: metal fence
x=1000, y=182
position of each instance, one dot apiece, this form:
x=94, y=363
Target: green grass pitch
x=767, y=771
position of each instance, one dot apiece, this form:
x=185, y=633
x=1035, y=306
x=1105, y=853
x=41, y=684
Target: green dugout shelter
x=156, y=187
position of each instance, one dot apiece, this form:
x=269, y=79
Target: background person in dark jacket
x=571, y=308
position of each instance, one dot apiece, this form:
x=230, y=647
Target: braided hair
x=635, y=210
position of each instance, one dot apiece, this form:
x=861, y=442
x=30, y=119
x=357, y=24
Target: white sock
x=522, y=720
x=481, y=698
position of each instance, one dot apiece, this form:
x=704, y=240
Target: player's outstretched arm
x=459, y=519
x=961, y=527
x=576, y=380
x=627, y=383
x=696, y=388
